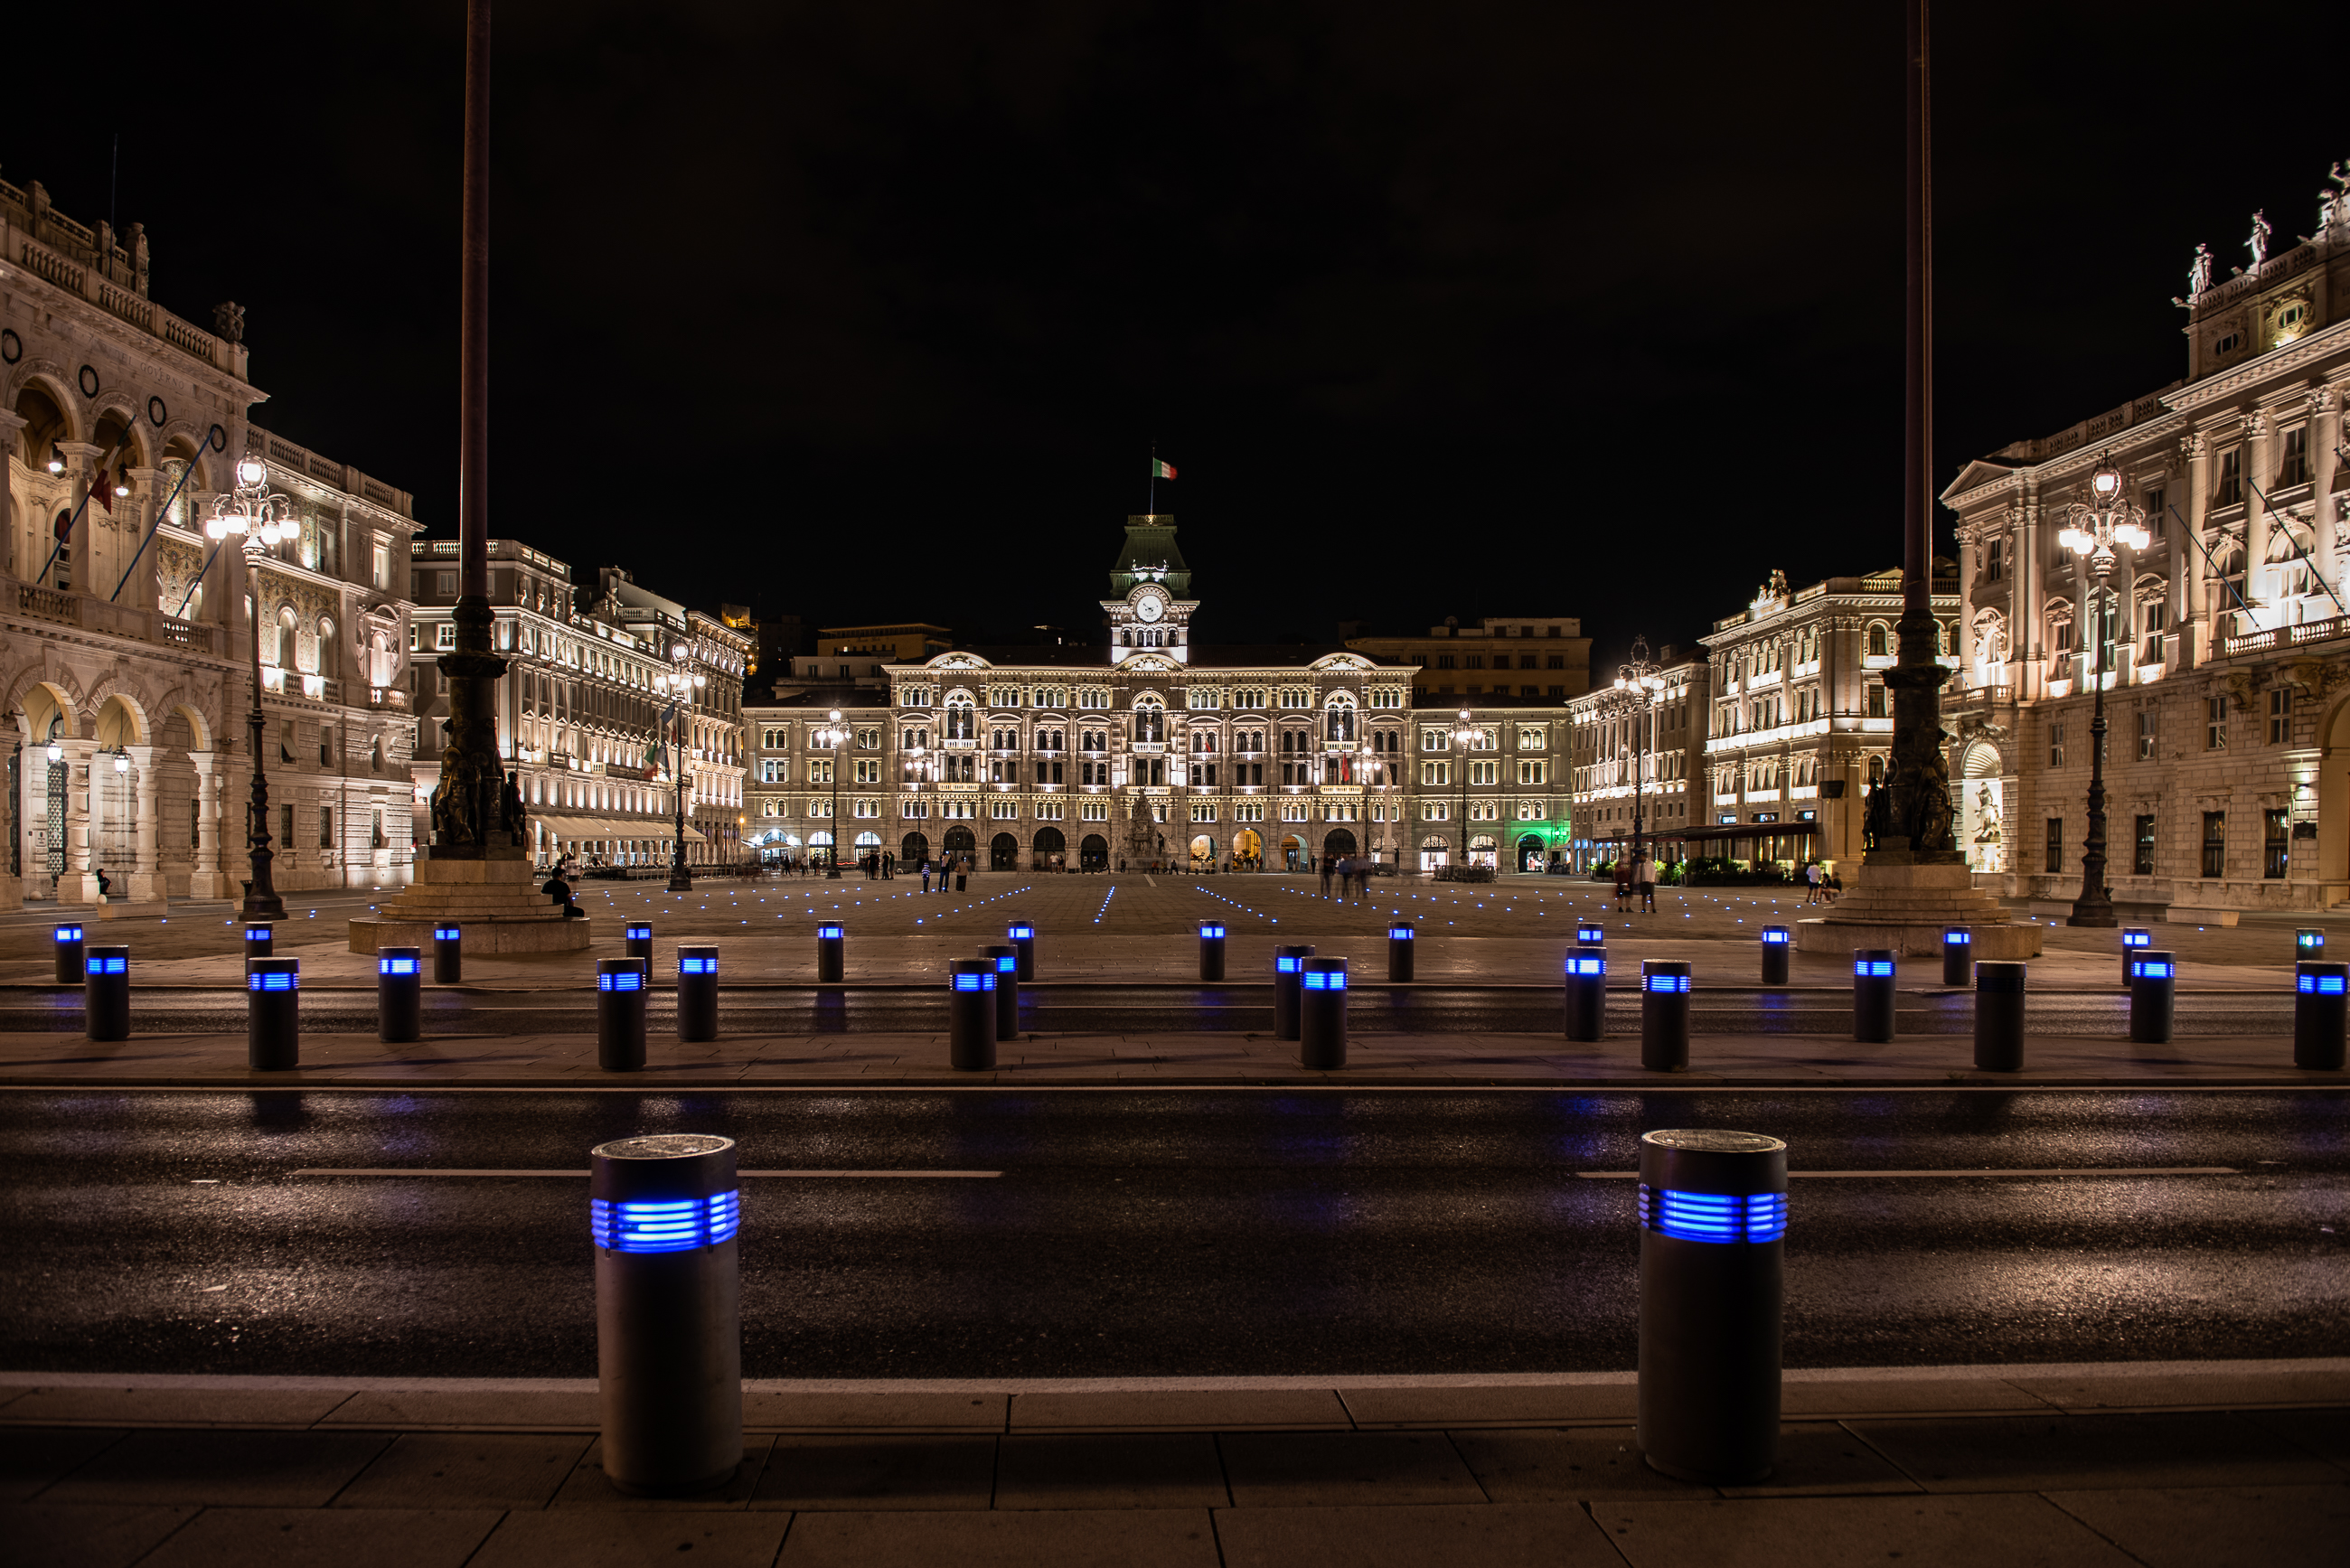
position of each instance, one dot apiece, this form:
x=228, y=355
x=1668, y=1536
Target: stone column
x=208, y=880
x=2259, y=585
x=2196, y=633
x=146, y=879
x=1970, y=551
x=12, y=428
x=2326, y=435
x=77, y=884
x=2029, y=602
x=139, y=512
x=79, y=456
x=2125, y=616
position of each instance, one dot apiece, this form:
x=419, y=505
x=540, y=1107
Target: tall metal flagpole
x=1913, y=810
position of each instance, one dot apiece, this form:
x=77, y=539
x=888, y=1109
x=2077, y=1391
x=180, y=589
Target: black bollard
x=70, y=955
x=1021, y=935
x=2309, y=946
x=1873, y=979
x=1713, y=1209
x=2321, y=1012
x=260, y=941
x=637, y=942
x=1958, y=955
x=1288, y=975
x=663, y=1212
x=1401, y=937
x=697, y=993
x=1006, y=959
x=1777, y=941
x=273, y=1014
x=1587, y=993
x=2153, y=983
x=1322, y=1015
x=831, y=959
x=399, y=995
x=2135, y=940
x=1212, y=949
x=1999, y=1016
x=448, y=955
x=105, y=995
x=620, y=1014
x=971, y=1014
x=1664, y=1015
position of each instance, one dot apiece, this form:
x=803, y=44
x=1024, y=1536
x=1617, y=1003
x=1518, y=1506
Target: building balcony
x=88, y=613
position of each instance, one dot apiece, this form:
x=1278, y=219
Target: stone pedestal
x=1901, y=902
x=496, y=900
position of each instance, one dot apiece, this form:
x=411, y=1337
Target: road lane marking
x=581, y=1175
x=1878, y=1175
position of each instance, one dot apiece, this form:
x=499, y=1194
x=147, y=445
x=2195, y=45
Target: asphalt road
x=1073, y=1007
x=1159, y=1233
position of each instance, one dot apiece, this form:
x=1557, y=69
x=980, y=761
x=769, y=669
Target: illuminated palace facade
x=1155, y=749
x=2224, y=645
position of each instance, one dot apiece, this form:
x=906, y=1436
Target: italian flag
x=1159, y=470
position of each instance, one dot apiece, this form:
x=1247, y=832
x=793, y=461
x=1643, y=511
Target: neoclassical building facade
x=1154, y=749
x=2223, y=646
x=126, y=633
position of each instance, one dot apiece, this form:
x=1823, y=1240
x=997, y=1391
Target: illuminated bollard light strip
x=2154, y=982
x=106, y=994
x=2320, y=1015
x=448, y=955
x=70, y=955
x=1586, y=992
x=1322, y=1015
x=676, y=1226
x=1664, y=1015
x=1872, y=981
x=1777, y=941
x=1958, y=955
x=399, y=995
x=1212, y=949
x=620, y=1014
x=971, y=1013
x=1714, y=1216
x=273, y=1018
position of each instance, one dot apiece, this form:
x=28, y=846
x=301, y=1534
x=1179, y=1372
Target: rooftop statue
x=2259, y=243
x=2199, y=279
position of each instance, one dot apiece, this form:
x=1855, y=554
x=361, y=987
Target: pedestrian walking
x=1811, y=881
x=1623, y=885
x=1327, y=868
x=926, y=873
x=963, y=873
x=1644, y=876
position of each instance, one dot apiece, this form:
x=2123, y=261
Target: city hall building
x=2223, y=645
x=1154, y=749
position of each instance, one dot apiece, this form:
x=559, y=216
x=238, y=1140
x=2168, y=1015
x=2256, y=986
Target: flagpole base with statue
x=495, y=900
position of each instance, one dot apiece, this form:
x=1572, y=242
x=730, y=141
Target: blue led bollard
x=106, y=994
x=273, y=1014
x=1402, y=936
x=1958, y=955
x=1021, y=935
x=1212, y=949
x=637, y=942
x=831, y=953
x=2321, y=1012
x=1873, y=977
x=448, y=955
x=1664, y=1015
x=2135, y=940
x=1591, y=934
x=1712, y=1213
x=620, y=1014
x=1322, y=1015
x=1777, y=941
x=664, y=1213
x=1586, y=992
x=1288, y=971
x=399, y=995
x=971, y=1014
x=1999, y=1016
x=2309, y=946
x=70, y=955
x=260, y=941
x=2154, y=984
x=697, y=993
x=1006, y=959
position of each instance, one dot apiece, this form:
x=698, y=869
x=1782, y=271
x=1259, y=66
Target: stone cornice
x=2301, y=354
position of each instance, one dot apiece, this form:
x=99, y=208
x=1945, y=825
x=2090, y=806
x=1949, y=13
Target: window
x=1879, y=640
x=2054, y=862
x=1533, y=738
x=444, y=634
x=1995, y=561
x=2279, y=715
x=2276, y=845
x=1484, y=773
x=444, y=583
x=2215, y=724
x=916, y=697
x=1876, y=699
x=1202, y=697
x=285, y=827
x=820, y=770
x=1249, y=697
x=326, y=827
x=1436, y=773
x=2294, y=468
x=2055, y=745
x=1093, y=697
x=2231, y=477
x=1387, y=697
x=1477, y=662
x=1435, y=740
x=2146, y=734
x=2215, y=844
x=1434, y=811
x=1530, y=772
x=196, y=824
x=2142, y=847
x=868, y=739
x=1445, y=661
x=2154, y=618
x=1149, y=721
x=2157, y=512
x=869, y=770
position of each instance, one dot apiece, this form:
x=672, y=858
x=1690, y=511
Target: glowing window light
x=1216, y=931
x=448, y=933
x=396, y=966
x=697, y=966
x=1719, y=1217
x=2153, y=969
x=1326, y=980
x=1663, y=983
x=672, y=1227
x=627, y=980
x=2319, y=984
x=1873, y=969
x=983, y=980
x=831, y=932
x=274, y=980
x=120, y=965
x=1285, y=965
x=68, y=933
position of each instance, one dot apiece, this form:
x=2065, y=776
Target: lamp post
x=1465, y=735
x=831, y=737
x=681, y=686
x=2105, y=520
x=1639, y=683
x=1370, y=765
x=263, y=519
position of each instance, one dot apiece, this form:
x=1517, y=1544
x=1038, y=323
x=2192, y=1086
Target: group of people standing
x=1350, y=871
x=1638, y=877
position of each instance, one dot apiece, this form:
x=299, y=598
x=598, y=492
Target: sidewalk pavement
x=1077, y=1060
x=2183, y=1465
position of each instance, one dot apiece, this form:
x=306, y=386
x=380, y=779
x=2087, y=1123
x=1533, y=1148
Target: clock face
x=1150, y=607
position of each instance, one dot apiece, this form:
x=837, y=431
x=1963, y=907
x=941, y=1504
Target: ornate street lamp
x=1465, y=735
x=1372, y=765
x=264, y=519
x=832, y=737
x=2105, y=520
x=681, y=686
x=1639, y=686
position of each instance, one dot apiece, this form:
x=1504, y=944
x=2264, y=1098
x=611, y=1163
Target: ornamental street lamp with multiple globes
x=681, y=688
x=1465, y=735
x=264, y=519
x=2096, y=525
x=1639, y=686
x=832, y=736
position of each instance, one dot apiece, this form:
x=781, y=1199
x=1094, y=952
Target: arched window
x=288, y=631
x=1338, y=719
x=1878, y=641
x=962, y=717
x=1150, y=720
x=329, y=655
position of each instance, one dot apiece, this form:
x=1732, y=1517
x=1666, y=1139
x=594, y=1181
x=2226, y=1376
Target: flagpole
x=1150, y=501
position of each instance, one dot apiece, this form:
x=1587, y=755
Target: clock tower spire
x=1152, y=610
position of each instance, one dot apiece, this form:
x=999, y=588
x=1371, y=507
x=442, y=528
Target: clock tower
x=1152, y=610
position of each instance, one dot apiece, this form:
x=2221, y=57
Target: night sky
x=873, y=311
